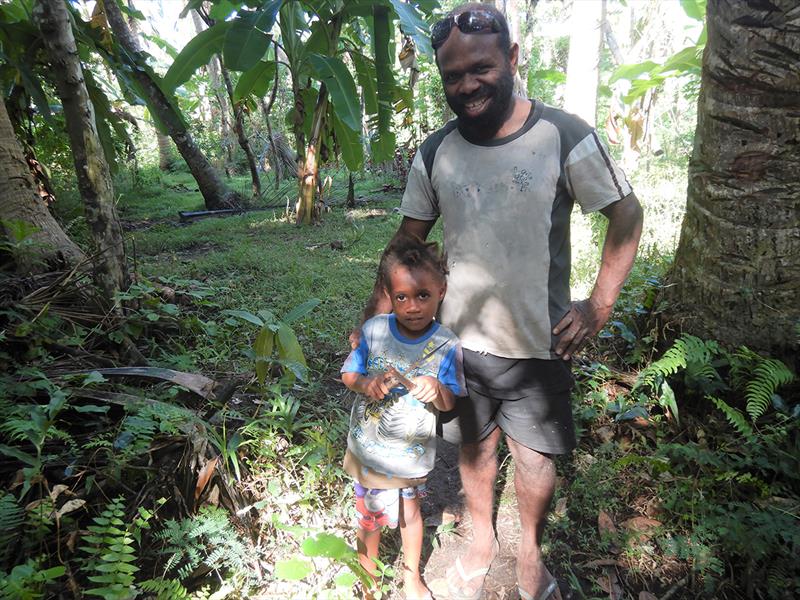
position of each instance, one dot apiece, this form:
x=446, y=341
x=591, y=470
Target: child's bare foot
x=413, y=587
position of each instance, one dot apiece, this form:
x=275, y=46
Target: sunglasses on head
x=469, y=21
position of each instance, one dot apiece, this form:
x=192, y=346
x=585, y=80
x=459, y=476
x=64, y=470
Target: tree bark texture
x=21, y=201
x=216, y=193
x=310, y=172
x=164, y=152
x=94, y=177
x=244, y=143
x=737, y=268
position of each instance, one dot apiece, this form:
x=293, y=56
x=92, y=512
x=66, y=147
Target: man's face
x=478, y=81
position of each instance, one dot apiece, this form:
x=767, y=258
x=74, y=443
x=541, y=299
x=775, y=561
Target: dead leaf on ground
x=610, y=584
x=643, y=527
x=57, y=490
x=205, y=474
x=69, y=507
x=605, y=433
x=647, y=596
x=602, y=562
x=561, y=507
x=605, y=524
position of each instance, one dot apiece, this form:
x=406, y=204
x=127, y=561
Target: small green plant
x=207, y=539
x=111, y=553
x=28, y=580
x=340, y=553
x=275, y=336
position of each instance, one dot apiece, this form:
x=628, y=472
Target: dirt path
x=445, y=500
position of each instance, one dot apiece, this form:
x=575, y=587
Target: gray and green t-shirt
x=505, y=206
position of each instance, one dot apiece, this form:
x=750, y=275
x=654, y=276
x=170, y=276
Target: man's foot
x=535, y=582
x=414, y=588
x=465, y=579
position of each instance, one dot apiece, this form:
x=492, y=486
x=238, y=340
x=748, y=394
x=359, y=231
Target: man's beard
x=489, y=122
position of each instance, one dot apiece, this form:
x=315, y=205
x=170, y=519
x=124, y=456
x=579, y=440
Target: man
x=504, y=176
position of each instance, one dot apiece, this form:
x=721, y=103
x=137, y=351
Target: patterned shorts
x=378, y=508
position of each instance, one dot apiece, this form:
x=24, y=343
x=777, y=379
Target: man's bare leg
x=478, y=467
x=534, y=482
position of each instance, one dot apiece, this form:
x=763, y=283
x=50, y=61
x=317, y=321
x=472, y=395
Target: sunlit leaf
x=632, y=71
x=293, y=569
x=326, y=545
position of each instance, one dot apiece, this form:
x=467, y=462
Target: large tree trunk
x=52, y=248
x=214, y=190
x=238, y=125
x=737, y=268
x=94, y=177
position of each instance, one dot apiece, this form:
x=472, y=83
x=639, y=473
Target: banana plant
x=321, y=43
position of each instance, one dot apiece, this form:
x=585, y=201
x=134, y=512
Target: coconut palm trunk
x=51, y=247
x=216, y=193
x=94, y=177
x=737, y=268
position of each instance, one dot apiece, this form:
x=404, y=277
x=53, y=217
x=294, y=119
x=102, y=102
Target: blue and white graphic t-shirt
x=396, y=436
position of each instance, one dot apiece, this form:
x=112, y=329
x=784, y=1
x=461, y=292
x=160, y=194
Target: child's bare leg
x=411, y=535
x=368, y=542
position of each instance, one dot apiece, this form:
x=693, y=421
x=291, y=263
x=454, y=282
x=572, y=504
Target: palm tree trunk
x=215, y=192
x=736, y=276
x=52, y=248
x=94, y=177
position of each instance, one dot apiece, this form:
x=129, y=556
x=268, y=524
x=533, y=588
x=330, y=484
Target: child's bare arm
x=430, y=389
x=374, y=387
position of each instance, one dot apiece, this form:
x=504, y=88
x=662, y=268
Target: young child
x=391, y=446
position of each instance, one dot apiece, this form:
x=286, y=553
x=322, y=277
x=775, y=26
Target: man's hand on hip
x=583, y=321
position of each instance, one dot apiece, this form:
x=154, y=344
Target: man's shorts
x=378, y=508
x=529, y=399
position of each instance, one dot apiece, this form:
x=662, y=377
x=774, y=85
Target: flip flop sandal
x=457, y=593
x=546, y=593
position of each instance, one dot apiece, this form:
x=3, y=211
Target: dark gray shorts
x=529, y=399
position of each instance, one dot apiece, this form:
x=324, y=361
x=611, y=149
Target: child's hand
x=427, y=388
x=375, y=387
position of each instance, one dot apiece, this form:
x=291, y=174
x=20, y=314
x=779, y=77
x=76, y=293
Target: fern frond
x=11, y=519
x=165, y=589
x=735, y=417
x=769, y=374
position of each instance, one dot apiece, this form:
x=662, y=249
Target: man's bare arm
x=587, y=317
x=378, y=302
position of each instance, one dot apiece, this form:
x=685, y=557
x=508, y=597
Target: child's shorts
x=376, y=508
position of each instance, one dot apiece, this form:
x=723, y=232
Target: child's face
x=415, y=296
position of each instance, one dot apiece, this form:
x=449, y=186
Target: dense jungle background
x=194, y=197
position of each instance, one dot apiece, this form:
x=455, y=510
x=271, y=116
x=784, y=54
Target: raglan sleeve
x=594, y=179
x=451, y=370
x=419, y=199
x=356, y=361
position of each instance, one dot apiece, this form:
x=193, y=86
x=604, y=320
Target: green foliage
x=28, y=580
x=207, y=539
x=109, y=545
x=12, y=518
x=195, y=54
x=687, y=62
x=165, y=589
x=339, y=553
x=277, y=337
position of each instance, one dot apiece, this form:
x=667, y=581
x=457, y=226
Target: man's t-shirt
x=505, y=206
x=396, y=437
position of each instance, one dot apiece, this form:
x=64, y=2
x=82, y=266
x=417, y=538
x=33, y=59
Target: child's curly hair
x=413, y=253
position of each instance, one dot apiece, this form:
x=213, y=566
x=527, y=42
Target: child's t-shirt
x=396, y=436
